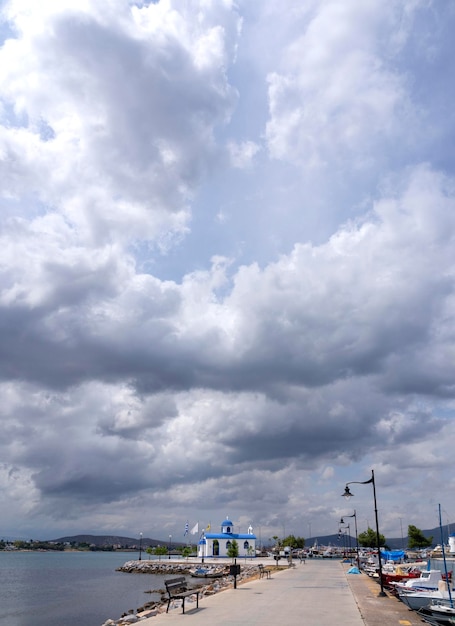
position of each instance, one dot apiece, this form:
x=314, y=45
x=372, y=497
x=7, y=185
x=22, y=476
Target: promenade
x=316, y=593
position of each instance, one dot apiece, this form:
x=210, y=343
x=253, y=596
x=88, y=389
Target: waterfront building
x=217, y=544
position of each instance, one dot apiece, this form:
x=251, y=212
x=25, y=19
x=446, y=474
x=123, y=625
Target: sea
x=70, y=588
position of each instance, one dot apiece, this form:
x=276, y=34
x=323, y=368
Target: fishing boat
x=438, y=614
x=424, y=581
x=419, y=599
x=400, y=574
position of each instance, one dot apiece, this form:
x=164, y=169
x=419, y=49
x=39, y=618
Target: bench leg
x=183, y=605
x=168, y=603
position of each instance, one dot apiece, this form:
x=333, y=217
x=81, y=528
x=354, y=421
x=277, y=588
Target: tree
x=293, y=542
x=416, y=539
x=368, y=539
x=186, y=552
x=277, y=541
x=233, y=549
x=160, y=551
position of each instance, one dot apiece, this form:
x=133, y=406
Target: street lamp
x=342, y=533
x=170, y=545
x=348, y=540
x=356, y=535
x=347, y=494
x=140, y=546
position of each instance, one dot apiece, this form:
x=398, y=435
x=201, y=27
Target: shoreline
x=209, y=586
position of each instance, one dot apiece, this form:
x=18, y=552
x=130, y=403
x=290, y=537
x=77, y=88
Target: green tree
x=160, y=551
x=369, y=539
x=186, y=552
x=293, y=542
x=416, y=539
x=233, y=549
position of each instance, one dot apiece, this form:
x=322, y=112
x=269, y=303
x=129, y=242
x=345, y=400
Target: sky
x=227, y=272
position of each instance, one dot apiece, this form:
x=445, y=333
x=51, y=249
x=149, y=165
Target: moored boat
x=427, y=581
x=400, y=573
x=438, y=614
x=419, y=599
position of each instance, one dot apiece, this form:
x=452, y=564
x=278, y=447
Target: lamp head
x=347, y=494
x=341, y=521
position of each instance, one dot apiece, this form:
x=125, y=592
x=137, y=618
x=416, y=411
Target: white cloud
x=338, y=95
x=195, y=323
x=130, y=113
x=243, y=154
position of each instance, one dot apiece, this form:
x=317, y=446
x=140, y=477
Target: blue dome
x=202, y=541
x=227, y=522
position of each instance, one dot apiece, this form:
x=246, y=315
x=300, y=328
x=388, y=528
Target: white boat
x=427, y=581
x=438, y=614
x=419, y=599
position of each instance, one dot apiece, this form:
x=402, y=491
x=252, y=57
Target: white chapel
x=217, y=544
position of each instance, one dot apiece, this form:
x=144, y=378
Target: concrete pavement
x=317, y=593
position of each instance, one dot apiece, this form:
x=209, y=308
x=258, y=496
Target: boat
x=419, y=599
x=400, y=573
x=426, y=581
x=206, y=572
x=438, y=614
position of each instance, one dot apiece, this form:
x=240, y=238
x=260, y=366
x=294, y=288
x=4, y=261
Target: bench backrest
x=174, y=585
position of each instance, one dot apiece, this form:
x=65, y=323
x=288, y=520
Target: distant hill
x=133, y=543
x=112, y=540
x=394, y=543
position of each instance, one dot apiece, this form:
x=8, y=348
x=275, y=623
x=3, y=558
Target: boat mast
x=448, y=582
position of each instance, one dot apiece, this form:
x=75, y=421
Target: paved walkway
x=318, y=593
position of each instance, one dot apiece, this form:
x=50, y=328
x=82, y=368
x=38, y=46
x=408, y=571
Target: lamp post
x=140, y=546
x=342, y=532
x=356, y=536
x=170, y=545
x=347, y=494
x=348, y=550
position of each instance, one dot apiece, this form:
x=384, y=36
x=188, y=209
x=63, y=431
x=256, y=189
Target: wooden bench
x=177, y=589
x=263, y=571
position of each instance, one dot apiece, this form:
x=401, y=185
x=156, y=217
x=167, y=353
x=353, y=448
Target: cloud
x=226, y=267
x=338, y=95
x=129, y=114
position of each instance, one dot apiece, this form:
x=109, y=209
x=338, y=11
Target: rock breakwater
x=156, y=567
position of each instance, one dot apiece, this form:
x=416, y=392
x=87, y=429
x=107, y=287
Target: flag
x=208, y=526
x=195, y=529
x=186, y=529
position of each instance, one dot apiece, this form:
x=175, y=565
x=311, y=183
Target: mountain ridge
x=394, y=543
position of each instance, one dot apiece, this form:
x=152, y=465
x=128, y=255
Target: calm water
x=69, y=589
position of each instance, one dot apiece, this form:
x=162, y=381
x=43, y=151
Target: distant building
x=217, y=544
